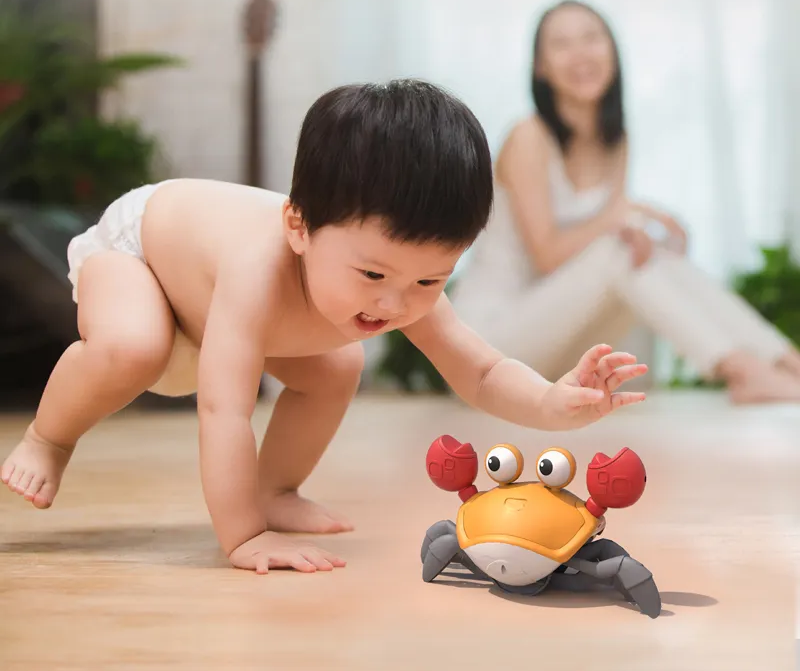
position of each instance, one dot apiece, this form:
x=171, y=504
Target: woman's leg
x=679, y=311
x=127, y=330
x=543, y=326
x=753, y=332
x=612, y=324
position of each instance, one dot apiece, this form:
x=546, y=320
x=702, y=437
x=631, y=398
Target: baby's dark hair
x=406, y=151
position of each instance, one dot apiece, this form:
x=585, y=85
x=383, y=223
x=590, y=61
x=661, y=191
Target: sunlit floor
x=124, y=572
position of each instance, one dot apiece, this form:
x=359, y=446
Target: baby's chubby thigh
x=181, y=373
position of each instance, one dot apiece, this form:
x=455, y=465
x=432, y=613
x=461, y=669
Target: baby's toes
x=45, y=496
x=34, y=487
x=16, y=478
x=7, y=472
x=24, y=482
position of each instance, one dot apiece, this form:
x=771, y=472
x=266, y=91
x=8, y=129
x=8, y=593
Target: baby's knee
x=139, y=357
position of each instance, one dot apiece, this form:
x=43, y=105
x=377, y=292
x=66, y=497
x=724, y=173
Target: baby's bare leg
x=306, y=416
x=127, y=330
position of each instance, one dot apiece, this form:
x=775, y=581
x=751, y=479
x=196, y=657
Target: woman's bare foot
x=790, y=362
x=772, y=386
x=34, y=469
x=291, y=512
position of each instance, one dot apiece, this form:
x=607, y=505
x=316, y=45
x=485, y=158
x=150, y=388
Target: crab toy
x=524, y=536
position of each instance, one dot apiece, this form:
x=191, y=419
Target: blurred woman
x=569, y=261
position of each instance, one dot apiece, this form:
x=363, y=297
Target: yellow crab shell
x=552, y=523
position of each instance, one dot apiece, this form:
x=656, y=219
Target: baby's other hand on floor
x=273, y=550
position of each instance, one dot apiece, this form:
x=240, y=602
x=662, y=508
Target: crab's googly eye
x=555, y=467
x=504, y=463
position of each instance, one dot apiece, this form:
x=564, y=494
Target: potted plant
x=53, y=147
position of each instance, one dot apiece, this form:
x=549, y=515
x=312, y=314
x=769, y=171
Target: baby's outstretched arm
x=231, y=365
x=484, y=378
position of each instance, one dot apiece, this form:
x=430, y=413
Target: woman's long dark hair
x=610, y=115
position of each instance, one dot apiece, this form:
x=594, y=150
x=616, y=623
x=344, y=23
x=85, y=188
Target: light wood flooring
x=124, y=571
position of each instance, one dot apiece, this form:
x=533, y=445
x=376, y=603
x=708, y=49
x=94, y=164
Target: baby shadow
x=191, y=545
x=598, y=596
x=185, y=545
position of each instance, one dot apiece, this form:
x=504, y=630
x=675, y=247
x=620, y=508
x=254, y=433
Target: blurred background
x=100, y=96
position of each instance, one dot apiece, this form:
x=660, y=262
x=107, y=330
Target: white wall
x=197, y=111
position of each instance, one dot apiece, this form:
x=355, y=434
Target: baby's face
x=366, y=284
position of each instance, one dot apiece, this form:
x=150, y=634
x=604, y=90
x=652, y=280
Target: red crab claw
x=614, y=482
x=453, y=466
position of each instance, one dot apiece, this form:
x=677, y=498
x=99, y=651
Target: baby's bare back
x=191, y=227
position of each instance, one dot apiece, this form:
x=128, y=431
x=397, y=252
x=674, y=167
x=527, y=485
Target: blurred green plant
x=53, y=148
x=774, y=290
x=408, y=367
x=100, y=161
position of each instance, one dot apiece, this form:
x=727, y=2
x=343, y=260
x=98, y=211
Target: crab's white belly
x=510, y=564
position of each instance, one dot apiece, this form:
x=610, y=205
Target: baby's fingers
x=333, y=559
x=626, y=398
x=623, y=374
x=262, y=564
x=297, y=561
x=316, y=558
x=580, y=396
x=589, y=362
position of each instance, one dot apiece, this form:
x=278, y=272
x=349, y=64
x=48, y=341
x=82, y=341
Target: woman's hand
x=640, y=244
x=677, y=234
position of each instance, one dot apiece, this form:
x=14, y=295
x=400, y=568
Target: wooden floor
x=124, y=572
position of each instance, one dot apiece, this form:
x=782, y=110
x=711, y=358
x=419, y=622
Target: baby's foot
x=291, y=512
x=34, y=469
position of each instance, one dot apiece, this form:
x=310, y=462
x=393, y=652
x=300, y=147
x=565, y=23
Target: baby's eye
x=428, y=283
x=372, y=275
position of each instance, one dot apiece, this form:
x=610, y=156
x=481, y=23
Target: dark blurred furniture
x=37, y=314
x=38, y=318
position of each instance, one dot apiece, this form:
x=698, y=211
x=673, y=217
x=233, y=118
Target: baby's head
x=392, y=183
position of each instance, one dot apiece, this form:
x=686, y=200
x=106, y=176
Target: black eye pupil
x=494, y=464
x=545, y=467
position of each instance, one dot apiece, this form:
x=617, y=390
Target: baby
x=194, y=285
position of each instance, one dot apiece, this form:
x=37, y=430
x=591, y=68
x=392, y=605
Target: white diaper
x=120, y=229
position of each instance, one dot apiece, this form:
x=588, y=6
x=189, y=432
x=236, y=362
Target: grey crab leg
x=609, y=563
x=440, y=553
x=441, y=528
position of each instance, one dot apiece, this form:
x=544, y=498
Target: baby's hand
x=272, y=550
x=588, y=392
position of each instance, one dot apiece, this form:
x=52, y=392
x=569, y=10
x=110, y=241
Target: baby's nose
x=391, y=304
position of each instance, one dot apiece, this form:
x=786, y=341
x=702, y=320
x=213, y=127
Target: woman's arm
x=523, y=169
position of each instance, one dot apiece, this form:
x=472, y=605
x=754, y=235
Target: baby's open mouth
x=368, y=323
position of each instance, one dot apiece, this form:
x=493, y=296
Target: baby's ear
x=295, y=228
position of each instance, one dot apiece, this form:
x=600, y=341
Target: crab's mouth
x=368, y=323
